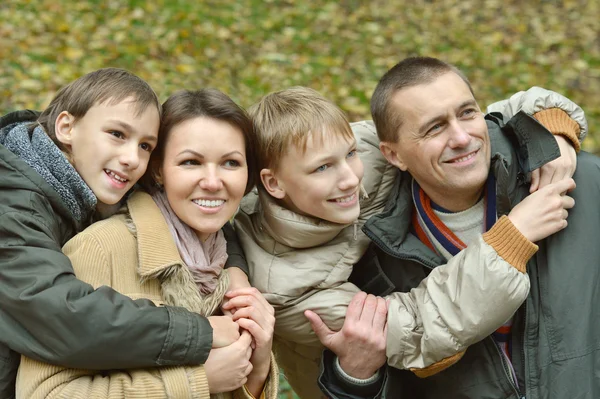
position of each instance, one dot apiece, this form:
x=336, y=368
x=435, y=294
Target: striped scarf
x=431, y=231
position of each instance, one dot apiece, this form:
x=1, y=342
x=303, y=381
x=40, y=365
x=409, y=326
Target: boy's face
x=323, y=181
x=110, y=146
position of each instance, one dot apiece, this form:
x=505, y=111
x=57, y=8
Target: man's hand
x=360, y=344
x=544, y=212
x=559, y=169
x=225, y=331
x=237, y=279
x=228, y=368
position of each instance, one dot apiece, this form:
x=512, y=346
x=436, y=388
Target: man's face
x=443, y=141
x=110, y=146
x=323, y=181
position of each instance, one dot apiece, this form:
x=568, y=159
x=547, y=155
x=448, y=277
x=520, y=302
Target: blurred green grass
x=340, y=48
x=248, y=48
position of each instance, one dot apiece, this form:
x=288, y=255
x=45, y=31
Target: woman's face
x=204, y=172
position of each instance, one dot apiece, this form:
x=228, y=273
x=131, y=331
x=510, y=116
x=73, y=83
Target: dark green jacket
x=556, y=333
x=49, y=315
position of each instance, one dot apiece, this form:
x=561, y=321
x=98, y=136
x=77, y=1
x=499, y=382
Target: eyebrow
x=126, y=126
x=327, y=158
x=437, y=118
x=197, y=154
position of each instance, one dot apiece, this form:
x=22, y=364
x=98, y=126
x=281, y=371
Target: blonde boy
x=321, y=178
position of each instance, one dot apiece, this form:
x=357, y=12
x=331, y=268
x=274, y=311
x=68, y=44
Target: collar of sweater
x=290, y=228
x=156, y=249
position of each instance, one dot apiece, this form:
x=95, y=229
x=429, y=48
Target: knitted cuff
x=349, y=378
x=437, y=367
x=510, y=244
x=560, y=123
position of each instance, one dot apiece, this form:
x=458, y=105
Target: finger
x=356, y=307
x=261, y=336
x=244, y=340
x=380, y=314
x=321, y=330
x=248, y=370
x=243, y=291
x=368, y=313
x=546, y=174
x=567, y=202
x=255, y=293
x=535, y=181
x=565, y=214
x=563, y=186
x=251, y=313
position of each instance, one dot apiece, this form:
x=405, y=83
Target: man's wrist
x=354, y=373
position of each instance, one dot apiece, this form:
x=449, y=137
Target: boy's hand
x=559, y=169
x=237, y=279
x=225, y=331
x=227, y=368
x=360, y=344
x=544, y=212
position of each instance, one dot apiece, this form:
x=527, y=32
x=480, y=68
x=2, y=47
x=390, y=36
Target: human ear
x=157, y=174
x=63, y=127
x=388, y=151
x=272, y=184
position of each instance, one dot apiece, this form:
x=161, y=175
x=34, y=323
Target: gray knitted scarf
x=39, y=152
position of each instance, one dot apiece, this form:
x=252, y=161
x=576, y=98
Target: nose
x=460, y=137
x=130, y=156
x=211, y=181
x=348, y=178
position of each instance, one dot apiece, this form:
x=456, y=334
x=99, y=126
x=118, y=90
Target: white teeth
x=115, y=176
x=346, y=199
x=209, y=203
x=466, y=158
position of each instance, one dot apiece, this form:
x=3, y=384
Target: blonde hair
x=290, y=117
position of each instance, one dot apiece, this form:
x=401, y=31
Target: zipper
x=506, y=369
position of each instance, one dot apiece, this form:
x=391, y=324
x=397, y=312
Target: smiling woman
x=171, y=250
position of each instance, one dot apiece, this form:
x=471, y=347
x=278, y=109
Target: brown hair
x=289, y=117
x=184, y=105
x=409, y=72
x=107, y=85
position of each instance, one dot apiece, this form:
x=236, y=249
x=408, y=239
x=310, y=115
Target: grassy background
x=248, y=48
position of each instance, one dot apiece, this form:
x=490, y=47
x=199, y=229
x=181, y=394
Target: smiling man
x=455, y=182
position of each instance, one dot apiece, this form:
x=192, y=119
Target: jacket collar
x=156, y=248
x=517, y=146
x=290, y=228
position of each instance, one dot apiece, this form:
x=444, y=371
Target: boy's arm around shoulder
x=93, y=263
x=459, y=303
x=556, y=112
x=59, y=319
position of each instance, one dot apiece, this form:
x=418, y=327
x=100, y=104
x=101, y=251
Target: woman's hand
x=254, y=314
x=237, y=279
x=227, y=368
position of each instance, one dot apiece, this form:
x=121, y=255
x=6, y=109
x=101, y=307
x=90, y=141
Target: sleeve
x=38, y=380
x=334, y=385
x=535, y=100
x=235, y=251
x=50, y=315
x=271, y=388
x=459, y=303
